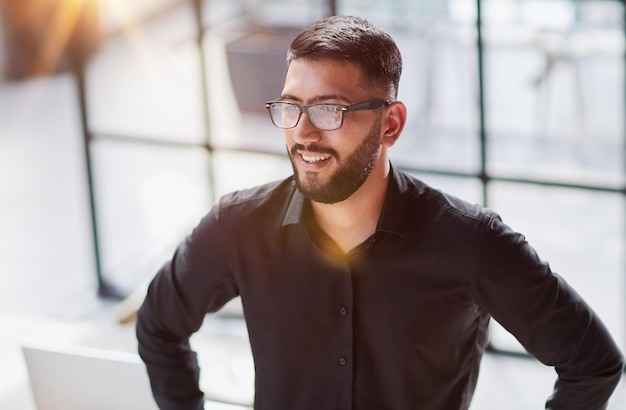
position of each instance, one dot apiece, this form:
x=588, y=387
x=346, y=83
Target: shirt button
x=343, y=361
x=343, y=311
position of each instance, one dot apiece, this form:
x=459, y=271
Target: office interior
x=117, y=136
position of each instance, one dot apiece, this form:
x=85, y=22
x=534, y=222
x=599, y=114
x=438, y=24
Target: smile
x=314, y=158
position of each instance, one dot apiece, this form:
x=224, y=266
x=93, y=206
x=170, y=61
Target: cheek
x=362, y=124
x=288, y=137
x=345, y=150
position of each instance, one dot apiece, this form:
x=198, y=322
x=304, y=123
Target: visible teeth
x=314, y=158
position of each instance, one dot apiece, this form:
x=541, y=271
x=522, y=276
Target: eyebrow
x=317, y=99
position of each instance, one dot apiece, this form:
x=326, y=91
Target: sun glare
x=51, y=30
x=54, y=32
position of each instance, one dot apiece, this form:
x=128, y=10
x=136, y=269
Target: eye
x=290, y=108
x=331, y=108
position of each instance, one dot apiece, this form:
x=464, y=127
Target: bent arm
x=549, y=318
x=171, y=364
x=590, y=366
x=195, y=282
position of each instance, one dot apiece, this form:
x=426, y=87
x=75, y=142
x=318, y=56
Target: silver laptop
x=70, y=377
x=85, y=378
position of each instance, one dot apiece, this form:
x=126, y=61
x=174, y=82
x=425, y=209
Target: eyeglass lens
x=323, y=116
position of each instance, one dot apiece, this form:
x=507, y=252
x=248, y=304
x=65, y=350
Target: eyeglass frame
x=362, y=106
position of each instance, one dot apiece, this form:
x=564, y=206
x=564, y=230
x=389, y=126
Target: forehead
x=309, y=80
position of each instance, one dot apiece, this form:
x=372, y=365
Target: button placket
x=343, y=316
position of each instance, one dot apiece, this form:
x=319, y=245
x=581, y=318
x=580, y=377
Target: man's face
x=329, y=166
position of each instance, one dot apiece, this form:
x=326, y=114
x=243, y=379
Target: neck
x=351, y=222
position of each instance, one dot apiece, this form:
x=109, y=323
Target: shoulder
x=461, y=222
x=259, y=196
x=260, y=205
x=437, y=205
x=256, y=209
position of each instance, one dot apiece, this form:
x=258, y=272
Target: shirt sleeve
x=549, y=318
x=195, y=281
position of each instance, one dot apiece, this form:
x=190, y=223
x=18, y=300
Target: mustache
x=312, y=148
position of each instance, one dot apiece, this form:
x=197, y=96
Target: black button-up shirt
x=400, y=322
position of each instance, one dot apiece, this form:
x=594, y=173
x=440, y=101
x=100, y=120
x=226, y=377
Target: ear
x=394, y=124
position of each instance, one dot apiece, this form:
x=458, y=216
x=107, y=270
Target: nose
x=304, y=132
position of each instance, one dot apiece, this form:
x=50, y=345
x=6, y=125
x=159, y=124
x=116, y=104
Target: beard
x=352, y=172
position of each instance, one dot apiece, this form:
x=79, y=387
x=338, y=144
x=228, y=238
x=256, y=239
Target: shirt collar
x=295, y=207
x=393, y=214
x=395, y=208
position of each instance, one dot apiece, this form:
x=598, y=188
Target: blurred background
x=123, y=121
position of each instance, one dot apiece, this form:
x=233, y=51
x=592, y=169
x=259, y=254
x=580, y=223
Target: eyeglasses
x=325, y=117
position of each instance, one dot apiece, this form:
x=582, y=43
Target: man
x=362, y=287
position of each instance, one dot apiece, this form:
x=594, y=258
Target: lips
x=312, y=159
x=312, y=154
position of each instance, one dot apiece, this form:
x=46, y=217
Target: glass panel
x=145, y=81
x=581, y=234
x=554, y=86
x=148, y=197
x=288, y=13
x=239, y=170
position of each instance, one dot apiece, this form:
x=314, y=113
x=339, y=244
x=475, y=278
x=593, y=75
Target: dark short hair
x=354, y=40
